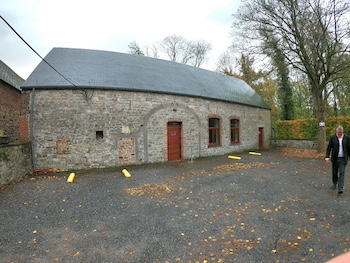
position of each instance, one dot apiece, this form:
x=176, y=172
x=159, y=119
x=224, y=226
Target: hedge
x=306, y=129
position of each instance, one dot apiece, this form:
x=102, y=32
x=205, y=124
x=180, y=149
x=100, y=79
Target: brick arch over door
x=162, y=107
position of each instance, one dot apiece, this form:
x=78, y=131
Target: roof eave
x=140, y=90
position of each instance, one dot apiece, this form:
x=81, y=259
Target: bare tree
x=179, y=49
x=151, y=51
x=135, y=49
x=188, y=52
x=175, y=47
x=201, y=48
x=312, y=36
x=225, y=63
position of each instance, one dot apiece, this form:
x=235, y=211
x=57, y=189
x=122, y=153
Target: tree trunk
x=321, y=131
x=321, y=139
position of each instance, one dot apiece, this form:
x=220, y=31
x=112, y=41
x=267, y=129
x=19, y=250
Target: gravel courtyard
x=277, y=207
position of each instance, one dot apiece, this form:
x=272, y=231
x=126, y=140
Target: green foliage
x=4, y=156
x=306, y=129
x=261, y=81
x=285, y=91
x=333, y=122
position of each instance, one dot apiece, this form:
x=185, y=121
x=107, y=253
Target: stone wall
x=298, y=144
x=76, y=129
x=15, y=162
x=24, y=118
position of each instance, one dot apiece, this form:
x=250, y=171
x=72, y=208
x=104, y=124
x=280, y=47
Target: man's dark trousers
x=338, y=165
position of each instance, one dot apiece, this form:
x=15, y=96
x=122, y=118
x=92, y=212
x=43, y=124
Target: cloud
x=109, y=25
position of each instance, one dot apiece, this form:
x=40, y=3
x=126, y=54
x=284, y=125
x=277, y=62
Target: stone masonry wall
x=298, y=144
x=15, y=162
x=76, y=129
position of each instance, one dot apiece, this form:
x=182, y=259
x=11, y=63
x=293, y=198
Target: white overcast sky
x=109, y=25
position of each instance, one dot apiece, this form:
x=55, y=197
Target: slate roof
x=93, y=69
x=10, y=77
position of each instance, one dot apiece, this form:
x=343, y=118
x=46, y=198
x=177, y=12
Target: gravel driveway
x=268, y=208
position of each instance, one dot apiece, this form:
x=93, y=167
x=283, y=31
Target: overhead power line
x=36, y=52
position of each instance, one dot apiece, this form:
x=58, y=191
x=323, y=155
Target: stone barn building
x=94, y=108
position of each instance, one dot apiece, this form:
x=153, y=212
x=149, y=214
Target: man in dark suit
x=339, y=145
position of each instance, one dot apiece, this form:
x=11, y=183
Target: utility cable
x=37, y=52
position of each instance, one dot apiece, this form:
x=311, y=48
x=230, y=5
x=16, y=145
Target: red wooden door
x=261, y=136
x=174, y=141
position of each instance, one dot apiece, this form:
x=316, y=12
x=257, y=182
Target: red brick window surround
x=214, y=131
x=234, y=126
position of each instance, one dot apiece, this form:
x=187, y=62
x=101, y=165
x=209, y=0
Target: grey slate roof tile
x=112, y=70
x=9, y=76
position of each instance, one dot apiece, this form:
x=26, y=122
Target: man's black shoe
x=333, y=187
x=340, y=192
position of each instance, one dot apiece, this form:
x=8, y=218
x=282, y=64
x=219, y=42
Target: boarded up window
x=62, y=147
x=126, y=150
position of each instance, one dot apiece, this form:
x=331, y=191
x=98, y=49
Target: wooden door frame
x=261, y=137
x=179, y=124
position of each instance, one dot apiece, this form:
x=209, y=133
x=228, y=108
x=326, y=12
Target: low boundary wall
x=15, y=162
x=298, y=144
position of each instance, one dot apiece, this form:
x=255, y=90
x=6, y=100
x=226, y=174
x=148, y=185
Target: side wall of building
x=10, y=107
x=14, y=113
x=75, y=129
